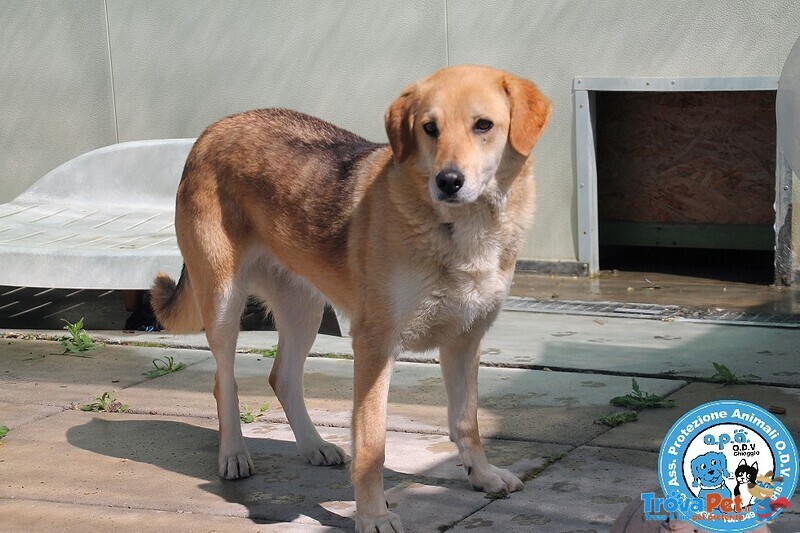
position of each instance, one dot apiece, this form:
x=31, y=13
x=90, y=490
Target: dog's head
x=709, y=469
x=460, y=122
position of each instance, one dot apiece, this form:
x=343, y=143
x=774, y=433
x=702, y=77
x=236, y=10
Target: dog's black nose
x=449, y=181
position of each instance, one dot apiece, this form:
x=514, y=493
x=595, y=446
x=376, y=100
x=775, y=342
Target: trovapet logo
x=725, y=466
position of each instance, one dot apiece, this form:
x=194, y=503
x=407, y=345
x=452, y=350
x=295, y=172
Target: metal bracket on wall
x=784, y=275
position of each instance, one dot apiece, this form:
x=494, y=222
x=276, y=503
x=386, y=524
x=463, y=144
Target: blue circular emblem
x=725, y=466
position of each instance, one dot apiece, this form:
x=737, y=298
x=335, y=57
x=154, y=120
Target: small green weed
x=247, y=416
x=165, y=365
x=639, y=400
x=104, y=404
x=726, y=376
x=269, y=353
x=617, y=419
x=79, y=341
x=3, y=431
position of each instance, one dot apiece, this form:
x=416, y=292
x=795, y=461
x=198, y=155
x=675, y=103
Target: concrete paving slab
x=787, y=522
x=26, y=515
x=643, y=346
x=590, y=343
x=145, y=463
x=584, y=491
x=36, y=372
x=248, y=340
x=14, y=415
x=165, y=465
x=514, y=403
x=648, y=432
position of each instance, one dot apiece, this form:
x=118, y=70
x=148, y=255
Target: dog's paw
x=324, y=453
x=494, y=480
x=236, y=466
x=386, y=522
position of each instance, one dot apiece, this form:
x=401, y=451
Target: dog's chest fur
x=457, y=286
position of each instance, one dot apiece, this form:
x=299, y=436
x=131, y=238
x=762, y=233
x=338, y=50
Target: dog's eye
x=430, y=129
x=483, y=125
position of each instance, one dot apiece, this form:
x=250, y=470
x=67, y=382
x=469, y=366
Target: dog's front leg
x=372, y=373
x=460, y=360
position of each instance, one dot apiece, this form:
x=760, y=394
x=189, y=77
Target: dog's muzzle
x=449, y=181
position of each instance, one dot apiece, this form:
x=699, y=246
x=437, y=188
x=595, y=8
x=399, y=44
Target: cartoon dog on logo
x=710, y=471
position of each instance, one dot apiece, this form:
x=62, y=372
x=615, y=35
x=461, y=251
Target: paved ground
x=547, y=379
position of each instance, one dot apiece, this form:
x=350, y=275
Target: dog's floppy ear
x=400, y=125
x=530, y=111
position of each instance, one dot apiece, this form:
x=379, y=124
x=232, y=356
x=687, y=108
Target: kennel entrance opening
x=679, y=176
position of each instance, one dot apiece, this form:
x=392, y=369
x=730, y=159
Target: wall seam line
x=446, y=36
x=111, y=74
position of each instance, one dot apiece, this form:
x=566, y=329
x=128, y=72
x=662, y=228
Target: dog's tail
x=174, y=304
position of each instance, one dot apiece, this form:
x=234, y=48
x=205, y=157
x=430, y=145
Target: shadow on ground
x=284, y=489
x=272, y=495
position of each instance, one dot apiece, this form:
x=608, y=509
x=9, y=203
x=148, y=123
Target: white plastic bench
x=103, y=220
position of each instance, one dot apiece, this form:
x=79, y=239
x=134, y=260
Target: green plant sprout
x=247, y=416
x=104, y=404
x=165, y=365
x=269, y=353
x=640, y=399
x=726, y=376
x=79, y=341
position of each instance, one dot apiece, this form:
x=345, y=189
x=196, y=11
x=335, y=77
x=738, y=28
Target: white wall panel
x=55, y=87
x=180, y=65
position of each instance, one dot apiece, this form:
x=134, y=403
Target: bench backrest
x=135, y=173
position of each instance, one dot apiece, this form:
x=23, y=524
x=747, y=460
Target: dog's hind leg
x=460, y=360
x=221, y=313
x=297, y=309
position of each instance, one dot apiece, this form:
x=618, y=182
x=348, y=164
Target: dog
x=416, y=241
x=761, y=488
x=710, y=471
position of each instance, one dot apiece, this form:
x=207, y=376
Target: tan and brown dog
x=415, y=241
